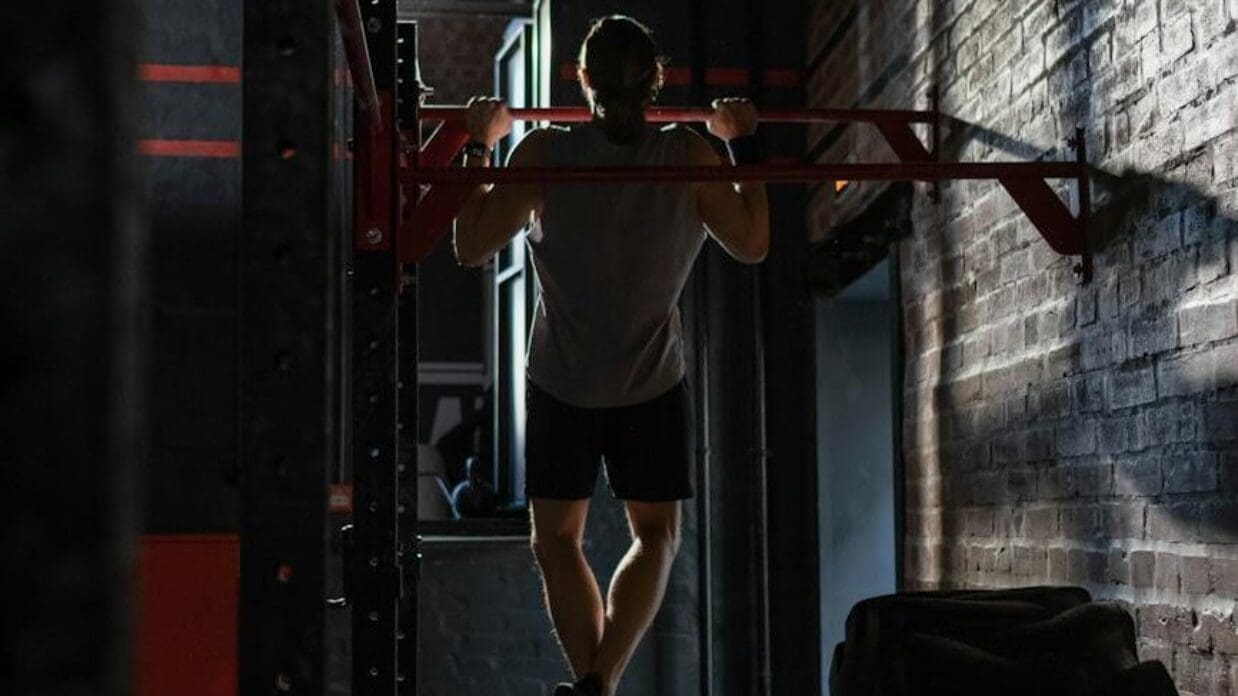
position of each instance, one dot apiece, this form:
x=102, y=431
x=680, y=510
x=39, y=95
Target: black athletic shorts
x=648, y=447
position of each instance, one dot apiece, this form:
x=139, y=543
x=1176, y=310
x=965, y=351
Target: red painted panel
x=188, y=587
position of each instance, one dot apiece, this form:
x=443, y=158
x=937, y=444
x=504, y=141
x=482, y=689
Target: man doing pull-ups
x=605, y=360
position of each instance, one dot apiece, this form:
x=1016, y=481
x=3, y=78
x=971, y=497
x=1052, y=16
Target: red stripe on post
x=190, y=148
x=194, y=74
x=781, y=77
x=726, y=77
x=677, y=77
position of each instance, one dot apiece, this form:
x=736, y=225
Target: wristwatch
x=476, y=148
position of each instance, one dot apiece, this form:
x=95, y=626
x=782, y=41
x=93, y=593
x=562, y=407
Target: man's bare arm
x=736, y=215
x=493, y=215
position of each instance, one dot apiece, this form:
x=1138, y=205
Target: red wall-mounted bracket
x=437, y=206
x=1063, y=231
x=352, y=35
x=373, y=153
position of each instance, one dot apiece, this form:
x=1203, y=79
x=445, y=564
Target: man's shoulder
x=697, y=149
x=548, y=133
x=543, y=134
x=534, y=146
x=676, y=131
x=681, y=133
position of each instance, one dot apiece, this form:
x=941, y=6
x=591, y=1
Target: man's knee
x=659, y=535
x=558, y=527
x=552, y=549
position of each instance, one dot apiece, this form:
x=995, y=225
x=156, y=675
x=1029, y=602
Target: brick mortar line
x=1221, y=552
x=1151, y=360
x=1158, y=500
x=1137, y=598
x=1141, y=597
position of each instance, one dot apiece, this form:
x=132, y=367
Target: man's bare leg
x=572, y=593
x=638, y=586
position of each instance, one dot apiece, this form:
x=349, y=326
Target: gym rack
x=405, y=194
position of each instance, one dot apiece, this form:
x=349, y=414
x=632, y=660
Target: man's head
x=620, y=73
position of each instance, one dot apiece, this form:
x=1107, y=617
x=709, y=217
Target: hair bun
x=624, y=73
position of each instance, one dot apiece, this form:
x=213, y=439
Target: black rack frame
x=288, y=390
x=299, y=409
x=383, y=561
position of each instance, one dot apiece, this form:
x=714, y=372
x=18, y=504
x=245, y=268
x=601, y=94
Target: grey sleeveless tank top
x=611, y=261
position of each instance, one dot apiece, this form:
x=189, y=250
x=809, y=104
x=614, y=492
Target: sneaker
x=564, y=689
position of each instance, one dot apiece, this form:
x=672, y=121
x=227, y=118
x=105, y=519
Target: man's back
x=611, y=261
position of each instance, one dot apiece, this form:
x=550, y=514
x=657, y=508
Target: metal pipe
x=760, y=528
x=677, y=114
x=901, y=171
x=352, y=34
x=700, y=354
x=466, y=539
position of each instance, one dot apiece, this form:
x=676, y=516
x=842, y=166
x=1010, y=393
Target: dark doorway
x=857, y=355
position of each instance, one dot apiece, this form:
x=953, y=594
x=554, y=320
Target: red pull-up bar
x=781, y=173
x=671, y=114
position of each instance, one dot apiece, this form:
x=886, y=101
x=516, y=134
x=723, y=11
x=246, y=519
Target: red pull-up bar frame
x=1024, y=181
x=352, y=34
x=446, y=188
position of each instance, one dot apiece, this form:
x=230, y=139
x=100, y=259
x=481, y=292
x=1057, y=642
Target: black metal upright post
x=376, y=575
x=289, y=296
x=409, y=92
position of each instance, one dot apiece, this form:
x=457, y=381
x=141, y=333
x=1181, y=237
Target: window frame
x=512, y=288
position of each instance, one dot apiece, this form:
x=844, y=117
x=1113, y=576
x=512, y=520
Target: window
x=513, y=290
x=476, y=409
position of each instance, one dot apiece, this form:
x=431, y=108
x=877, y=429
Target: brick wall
x=1053, y=432
x=484, y=629
x=457, y=55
